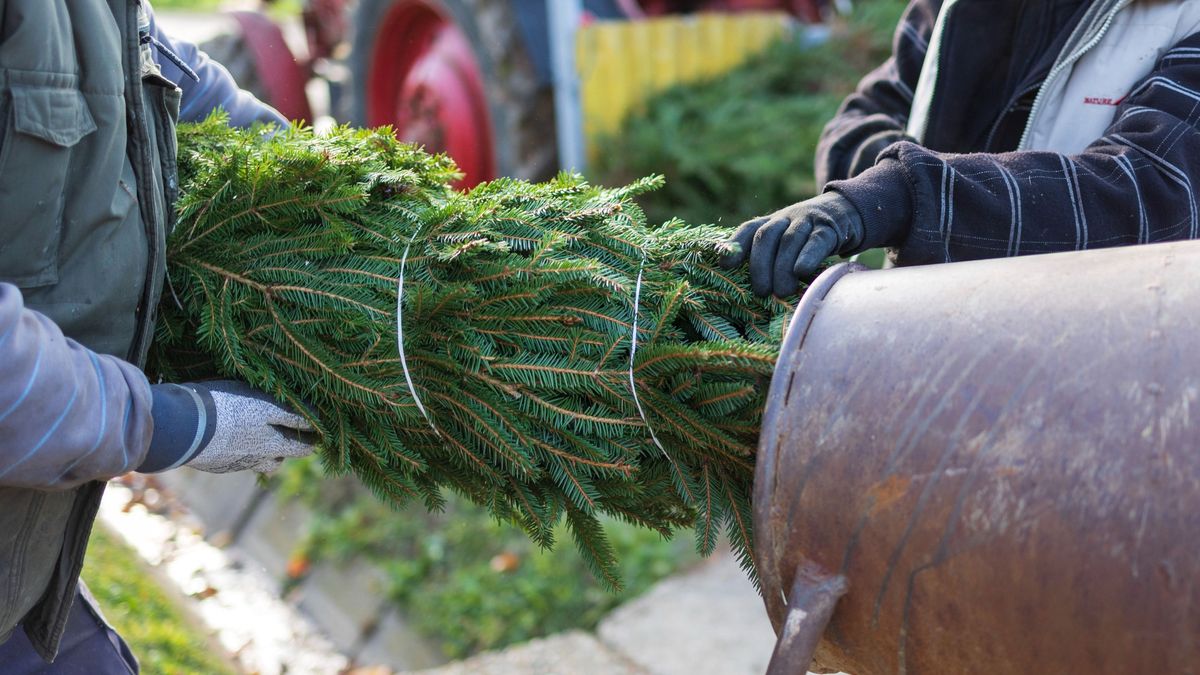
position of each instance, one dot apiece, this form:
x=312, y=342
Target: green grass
x=162, y=639
x=187, y=5
x=278, y=8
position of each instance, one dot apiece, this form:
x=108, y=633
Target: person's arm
x=875, y=115
x=1135, y=184
x=67, y=414
x=214, y=88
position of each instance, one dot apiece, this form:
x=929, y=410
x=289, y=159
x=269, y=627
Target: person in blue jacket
x=1002, y=129
x=90, y=92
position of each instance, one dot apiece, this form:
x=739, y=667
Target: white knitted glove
x=252, y=432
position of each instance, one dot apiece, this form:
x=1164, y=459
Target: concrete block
x=272, y=534
x=217, y=501
x=571, y=653
x=347, y=601
x=398, y=645
x=709, y=621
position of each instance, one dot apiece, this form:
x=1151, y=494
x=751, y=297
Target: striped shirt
x=1135, y=183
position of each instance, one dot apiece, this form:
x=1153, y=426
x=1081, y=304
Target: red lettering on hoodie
x=1104, y=100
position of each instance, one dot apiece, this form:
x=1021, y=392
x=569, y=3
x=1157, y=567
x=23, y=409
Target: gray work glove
x=251, y=431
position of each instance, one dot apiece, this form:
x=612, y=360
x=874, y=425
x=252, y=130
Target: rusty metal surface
x=1000, y=458
x=814, y=596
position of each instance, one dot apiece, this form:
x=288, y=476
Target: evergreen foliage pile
x=741, y=144
x=518, y=324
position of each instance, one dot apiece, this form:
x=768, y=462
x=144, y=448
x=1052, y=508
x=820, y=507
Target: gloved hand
x=251, y=432
x=788, y=245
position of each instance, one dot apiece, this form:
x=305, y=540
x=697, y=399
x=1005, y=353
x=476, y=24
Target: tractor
x=472, y=78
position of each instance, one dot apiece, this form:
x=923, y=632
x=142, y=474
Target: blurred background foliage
x=276, y=8
x=741, y=144
x=466, y=581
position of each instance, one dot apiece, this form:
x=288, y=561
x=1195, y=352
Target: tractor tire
x=230, y=50
x=520, y=107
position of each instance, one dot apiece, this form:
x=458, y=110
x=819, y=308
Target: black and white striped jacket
x=1026, y=143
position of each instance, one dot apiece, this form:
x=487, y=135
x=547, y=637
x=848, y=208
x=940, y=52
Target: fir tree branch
x=517, y=313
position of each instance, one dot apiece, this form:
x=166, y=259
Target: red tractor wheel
x=454, y=76
x=255, y=53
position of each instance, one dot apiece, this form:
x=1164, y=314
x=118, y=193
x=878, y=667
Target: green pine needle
x=517, y=316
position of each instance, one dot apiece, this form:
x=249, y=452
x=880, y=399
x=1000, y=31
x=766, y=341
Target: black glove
x=788, y=245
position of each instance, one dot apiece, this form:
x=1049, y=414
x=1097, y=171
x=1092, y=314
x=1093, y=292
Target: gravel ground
x=236, y=601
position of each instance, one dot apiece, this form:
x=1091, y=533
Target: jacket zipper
x=146, y=197
x=1015, y=101
x=1008, y=110
x=1062, y=65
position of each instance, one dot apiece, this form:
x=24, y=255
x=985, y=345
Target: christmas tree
x=534, y=347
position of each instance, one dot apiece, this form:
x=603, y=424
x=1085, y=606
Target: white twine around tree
x=637, y=295
x=400, y=337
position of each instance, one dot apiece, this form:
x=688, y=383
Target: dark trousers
x=89, y=647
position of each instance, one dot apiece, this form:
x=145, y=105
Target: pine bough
x=515, y=382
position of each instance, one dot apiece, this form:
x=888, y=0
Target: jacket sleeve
x=876, y=114
x=67, y=414
x=215, y=87
x=1135, y=184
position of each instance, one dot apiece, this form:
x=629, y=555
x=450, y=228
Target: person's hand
x=251, y=431
x=788, y=246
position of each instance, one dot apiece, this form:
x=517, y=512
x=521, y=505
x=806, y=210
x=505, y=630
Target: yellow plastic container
x=622, y=63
